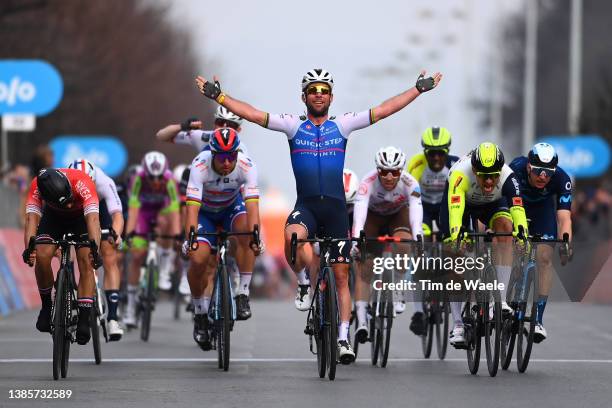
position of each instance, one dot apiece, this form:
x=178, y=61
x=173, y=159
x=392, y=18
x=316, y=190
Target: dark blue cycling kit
x=317, y=158
x=540, y=205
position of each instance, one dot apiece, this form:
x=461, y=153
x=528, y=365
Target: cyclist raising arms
x=481, y=185
x=388, y=201
x=318, y=143
x=153, y=197
x=214, y=199
x=70, y=205
x=190, y=131
x=541, y=179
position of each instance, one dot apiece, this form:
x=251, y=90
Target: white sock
x=361, y=306
x=503, y=276
x=302, y=277
x=343, y=329
x=245, y=282
x=200, y=305
x=166, y=259
x=132, y=290
x=232, y=266
x=456, y=311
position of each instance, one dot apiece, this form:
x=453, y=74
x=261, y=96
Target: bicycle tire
x=492, y=332
x=146, y=304
x=508, y=339
x=319, y=335
x=429, y=312
x=385, y=340
x=59, y=323
x=442, y=338
x=94, y=320
x=523, y=354
x=355, y=342
x=331, y=324
x=376, y=335
x=472, y=336
x=223, y=343
x=71, y=319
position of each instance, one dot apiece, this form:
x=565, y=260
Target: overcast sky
x=374, y=50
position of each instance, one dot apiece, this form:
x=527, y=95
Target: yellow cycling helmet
x=487, y=158
x=436, y=138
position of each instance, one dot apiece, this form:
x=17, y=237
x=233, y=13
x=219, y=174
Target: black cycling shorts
x=324, y=217
x=54, y=225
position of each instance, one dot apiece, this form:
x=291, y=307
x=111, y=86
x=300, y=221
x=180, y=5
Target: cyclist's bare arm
x=191, y=216
x=132, y=220
x=168, y=133
x=252, y=209
x=31, y=224
x=92, y=220
x=398, y=102
x=564, y=223
x=242, y=109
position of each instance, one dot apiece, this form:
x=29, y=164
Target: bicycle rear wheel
x=443, y=318
x=94, y=323
x=224, y=325
x=385, y=338
x=331, y=324
x=60, y=317
x=147, y=301
x=526, y=325
x=473, y=340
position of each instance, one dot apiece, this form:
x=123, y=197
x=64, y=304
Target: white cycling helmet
x=390, y=158
x=317, y=75
x=223, y=114
x=154, y=164
x=85, y=166
x=177, y=173
x=351, y=185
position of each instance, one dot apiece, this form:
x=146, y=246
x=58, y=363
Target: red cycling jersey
x=85, y=198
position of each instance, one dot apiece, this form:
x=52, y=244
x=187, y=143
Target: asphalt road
x=272, y=367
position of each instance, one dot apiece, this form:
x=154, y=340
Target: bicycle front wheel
x=385, y=338
x=442, y=319
x=224, y=325
x=331, y=324
x=429, y=316
x=526, y=325
x=473, y=339
x=147, y=301
x=94, y=323
x=60, y=324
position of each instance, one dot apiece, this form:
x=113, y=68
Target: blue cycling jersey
x=317, y=152
x=560, y=185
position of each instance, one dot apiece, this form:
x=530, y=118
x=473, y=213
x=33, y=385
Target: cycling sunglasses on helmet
x=315, y=89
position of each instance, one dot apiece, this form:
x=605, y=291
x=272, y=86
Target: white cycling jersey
x=374, y=197
x=107, y=191
x=200, y=139
x=216, y=192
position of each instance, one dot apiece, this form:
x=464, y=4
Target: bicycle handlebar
x=194, y=244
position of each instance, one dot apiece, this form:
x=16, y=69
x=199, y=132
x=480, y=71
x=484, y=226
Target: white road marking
x=273, y=360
